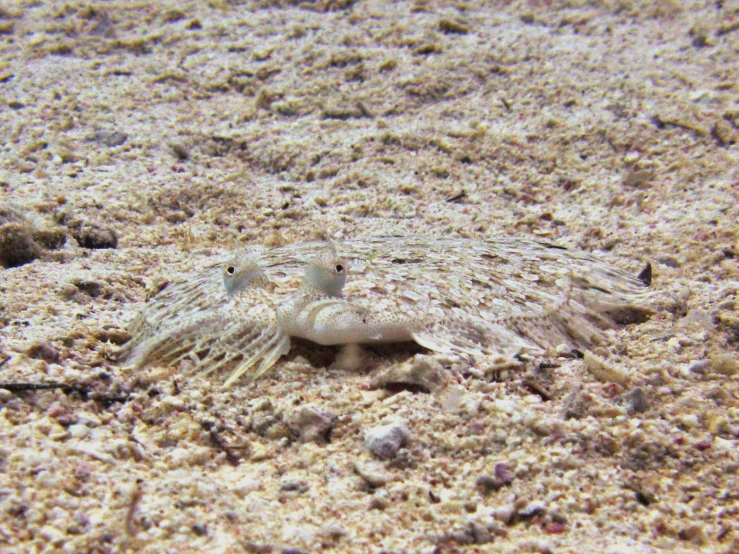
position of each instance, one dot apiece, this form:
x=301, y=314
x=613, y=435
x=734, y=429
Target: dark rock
x=554, y=528
x=488, y=483
x=645, y=498
x=17, y=246
x=95, y=237
x=200, y=529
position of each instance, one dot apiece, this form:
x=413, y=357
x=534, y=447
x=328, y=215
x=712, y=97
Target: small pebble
x=95, y=237
x=725, y=364
x=669, y=261
x=638, y=178
x=51, y=238
x=379, y=503
x=200, y=529
x=258, y=548
x=372, y=474
x=421, y=374
x=532, y=509
x=698, y=366
x=501, y=478
x=480, y=534
x=245, y=486
x=576, y=405
x=109, y=138
x=312, y=424
x=180, y=151
x=78, y=431
x=724, y=133
x=385, y=441
x=43, y=350
x=450, y=26
x=692, y=533
x=555, y=528
x=292, y=486
x=636, y=400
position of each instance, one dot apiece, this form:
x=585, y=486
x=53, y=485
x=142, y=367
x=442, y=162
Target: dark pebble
x=480, y=534
x=636, y=400
x=51, y=239
x=92, y=289
x=532, y=509
x=291, y=486
x=44, y=351
x=200, y=529
x=491, y=483
x=95, y=237
x=257, y=548
x=17, y=246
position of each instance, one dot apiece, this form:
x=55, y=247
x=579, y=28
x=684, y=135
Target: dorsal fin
x=645, y=276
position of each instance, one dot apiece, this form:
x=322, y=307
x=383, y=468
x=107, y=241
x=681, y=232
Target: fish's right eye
x=230, y=270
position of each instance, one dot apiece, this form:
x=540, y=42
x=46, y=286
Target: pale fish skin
x=468, y=297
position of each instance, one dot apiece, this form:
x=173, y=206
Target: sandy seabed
x=142, y=139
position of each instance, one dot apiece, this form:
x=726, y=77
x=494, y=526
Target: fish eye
x=339, y=268
x=230, y=270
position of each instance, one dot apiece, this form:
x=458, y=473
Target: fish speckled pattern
x=459, y=296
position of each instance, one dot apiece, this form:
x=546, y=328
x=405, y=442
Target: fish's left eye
x=230, y=270
x=339, y=268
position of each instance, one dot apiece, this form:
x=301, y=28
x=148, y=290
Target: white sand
x=606, y=127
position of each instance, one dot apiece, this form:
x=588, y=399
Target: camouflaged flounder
x=467, y=297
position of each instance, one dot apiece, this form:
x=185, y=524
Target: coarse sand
x=142, y=140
